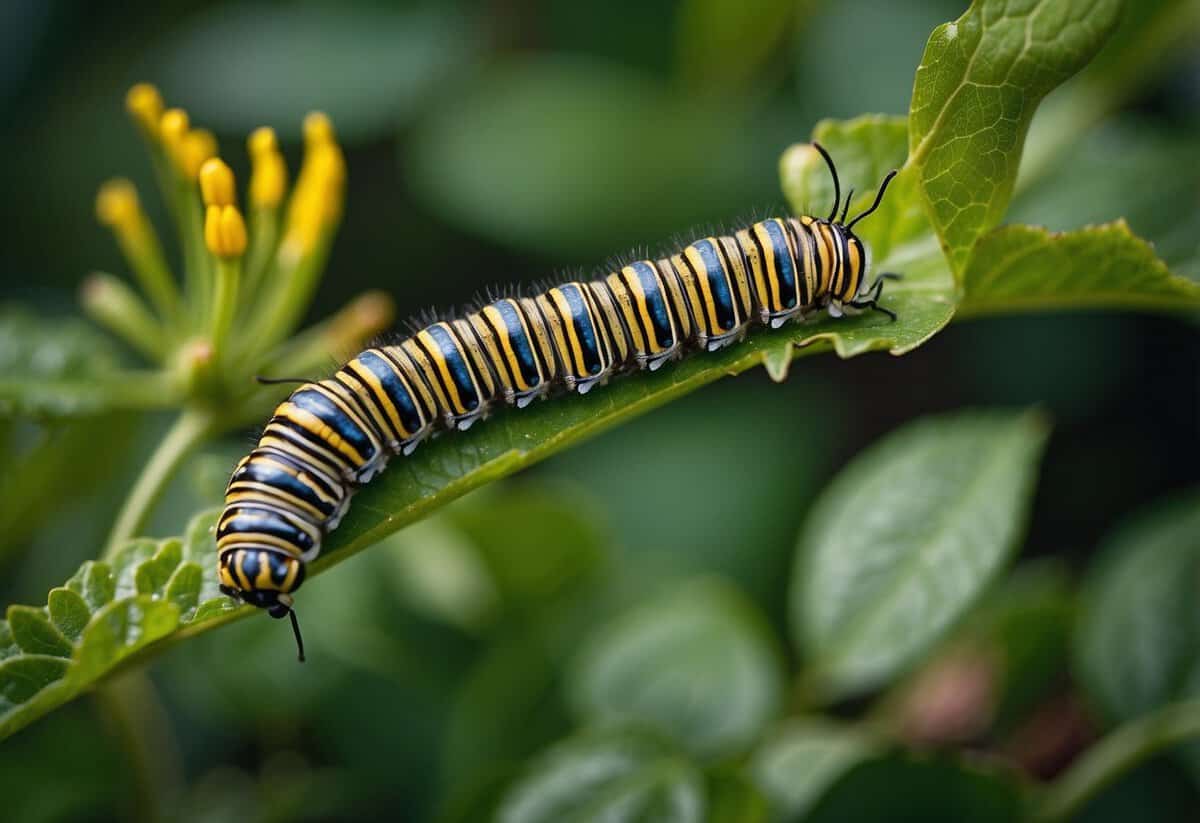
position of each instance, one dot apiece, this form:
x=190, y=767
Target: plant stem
x=224, y=305
x=1122, y=750
x=188, y=431
x=133, y=711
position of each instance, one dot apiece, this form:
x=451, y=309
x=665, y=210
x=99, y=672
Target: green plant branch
x=186, y=433
x=1115, y=755
x=132, y=710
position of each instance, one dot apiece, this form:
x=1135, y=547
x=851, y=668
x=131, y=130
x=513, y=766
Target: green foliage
x=976, y=90
x=51, y=368
x=697, y=664
x=1138, y=645
x=615, y=775
x=1025, y=268
x=802, y=759
x=682, y=705
x=104, y=616
x=881, y=572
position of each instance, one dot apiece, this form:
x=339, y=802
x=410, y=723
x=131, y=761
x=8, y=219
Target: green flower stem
x=1116, y=754
x=150, y=266
x=264, y=239
x=197, y=276
x=191, y=428
x=132, y=710
x=283, y=306
x=224, y=305
x=118, y=308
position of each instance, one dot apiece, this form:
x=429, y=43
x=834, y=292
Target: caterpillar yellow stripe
x=331, y=436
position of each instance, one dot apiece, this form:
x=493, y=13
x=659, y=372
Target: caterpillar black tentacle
x=333, y=435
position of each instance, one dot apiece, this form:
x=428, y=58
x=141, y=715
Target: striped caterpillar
x=332, y=436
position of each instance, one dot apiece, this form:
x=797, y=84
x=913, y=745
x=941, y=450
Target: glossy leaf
x=905, y=539
x=615, y=776
x=105, y=615
x=802, y=760
x=1023, y=268
x=977, y=87
x=1138, y=642
x=697, y=664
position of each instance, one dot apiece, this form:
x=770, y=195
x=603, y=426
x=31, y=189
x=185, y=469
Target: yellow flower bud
x=197, y=147
x=262, y=141
x=225, y=231
x=268, y=180
x=216, y=183
x=145, y=105
x=117, y=205
x=318, y=129
x=173, y=126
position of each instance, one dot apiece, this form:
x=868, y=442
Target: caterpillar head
x=852, y=287
x=264, y=578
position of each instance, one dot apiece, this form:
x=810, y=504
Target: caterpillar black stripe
x=331, y=436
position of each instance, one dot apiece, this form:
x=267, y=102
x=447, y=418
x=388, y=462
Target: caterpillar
x=331, y=436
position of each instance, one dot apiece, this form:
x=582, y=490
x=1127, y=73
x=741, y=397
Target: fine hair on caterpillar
x=333, y=435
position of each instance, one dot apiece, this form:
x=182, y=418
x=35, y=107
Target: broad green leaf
x=697, y=664
x=1138, y=641
x=980, y=81
x=65, y=368
x=367, y=67
x=1023, y=268
x=924, y=788
x=905, y=539
x=802, y=759
x=107, y=614
x=614, y=776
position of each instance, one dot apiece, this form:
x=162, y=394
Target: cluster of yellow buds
x=247, y=276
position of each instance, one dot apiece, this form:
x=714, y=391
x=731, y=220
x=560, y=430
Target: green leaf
x=697, y=664
x=35, y=634
x=977, y=87
x=62, y=367
x=104, y=616
x=1023, y=268
x=905, y=539
x=614, y=776
x=1138, y=641
x=69, y=612
x=367, y=67
x=800, y=761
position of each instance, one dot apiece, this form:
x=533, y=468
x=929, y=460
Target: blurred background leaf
x=369, y=67
x=697, y=664
x=1139, y=635
x=880, y=572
